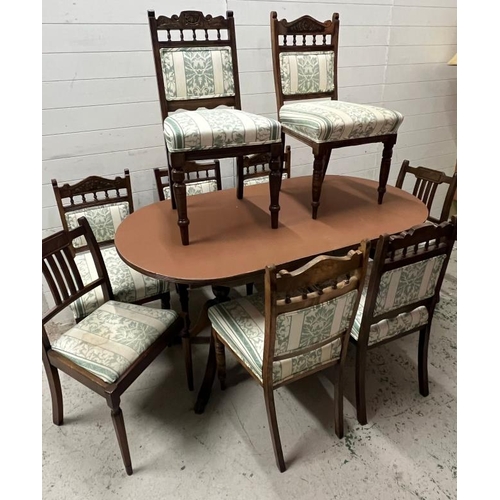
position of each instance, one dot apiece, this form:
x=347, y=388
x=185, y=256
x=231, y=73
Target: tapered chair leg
x=273, y=428
x=165, y=300
x=121, y=435
x=220, y=356
x=188, y=360
x=385, y=167
x=249, y=288
x=360, y=384
x=423, y=349
x=239, y=177
x=55, y=392
x=339, y=406
x=317, y=183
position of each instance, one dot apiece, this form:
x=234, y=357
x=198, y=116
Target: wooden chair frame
x=223, y=28
x=66, y=285
x=305, y=27
x=313, y=283
x=392, y=252
x=96, y=191
x=194, y=172
x=255, y=166
x=427, y=182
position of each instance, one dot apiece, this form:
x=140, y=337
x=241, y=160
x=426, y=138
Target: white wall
x=100, y=105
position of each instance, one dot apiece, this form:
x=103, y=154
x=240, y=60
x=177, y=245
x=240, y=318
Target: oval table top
x=231, y=238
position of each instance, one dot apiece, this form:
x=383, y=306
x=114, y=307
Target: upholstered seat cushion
x=240, y=323
x=109, y=340
x=327, y=121
x=192, y=188
x=260, y=180
x=218, y=128
x=127, y=284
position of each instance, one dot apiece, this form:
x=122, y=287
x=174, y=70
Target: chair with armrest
x=110, y=347
x=299, y=326
x=105, y=202
x=305, y=55
x=427, y=182
x=198, y=87
x=400, y=296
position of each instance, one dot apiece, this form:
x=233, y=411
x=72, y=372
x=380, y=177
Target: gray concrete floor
x=407, y=450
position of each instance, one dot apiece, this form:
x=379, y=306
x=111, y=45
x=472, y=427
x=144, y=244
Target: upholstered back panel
x=103, y=220
x=306, y=327
x=260, y=180
x=307, y=72
x=197, y=73
x=408, y=284
x=192, y=188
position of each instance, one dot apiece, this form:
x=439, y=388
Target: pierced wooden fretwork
x=306, y=25
x=192, y=19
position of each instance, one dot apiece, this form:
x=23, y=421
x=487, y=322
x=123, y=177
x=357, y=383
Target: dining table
x=231, y=241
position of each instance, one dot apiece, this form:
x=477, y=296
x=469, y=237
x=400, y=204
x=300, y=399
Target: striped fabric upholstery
x=197, y=73
x=199, y=187
x=127, y=284
x=306, y=72
x=260, y=180
x=107, y=342
x=218, y=128
x=326, y=121
x=240, y=323
x=408, y=284
x=104, y=221
x=398, y=288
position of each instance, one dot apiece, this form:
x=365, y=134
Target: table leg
x=221, y=295
x=385, y=167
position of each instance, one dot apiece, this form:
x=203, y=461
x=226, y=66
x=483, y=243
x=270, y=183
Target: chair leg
x=275, y=184
x=179, y=190
x=239, y=177
x=220, y=357
x=55, y=392
x=385, y=167
x=273, y=427
x=121, y=435
x=339, y=406
x=360, y=384
x=317, y=182
x=188, y=360
x=165, y=300
x=423, y=349
x=249, y=288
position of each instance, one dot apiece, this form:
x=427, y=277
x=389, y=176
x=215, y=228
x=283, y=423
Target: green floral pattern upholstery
x=328, y=121
x=240, y=323
x=398, y=288
x=218, y=128
x=127, y=284
x=197, y=73
x=103, y=220
x=199, y=187
x=408, y=284
x=109, y=340
x=260, y=180
x=306, y=72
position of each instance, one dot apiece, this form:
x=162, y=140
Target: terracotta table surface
x=231, y=238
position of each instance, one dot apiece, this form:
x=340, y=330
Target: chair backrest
x=426, y=184
x=305, y=53
x=103, y=202
x=62, y=274
x=256, y=167
x=309, y=313
x=408, y=270
x=195, y=61
x=200, y=177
